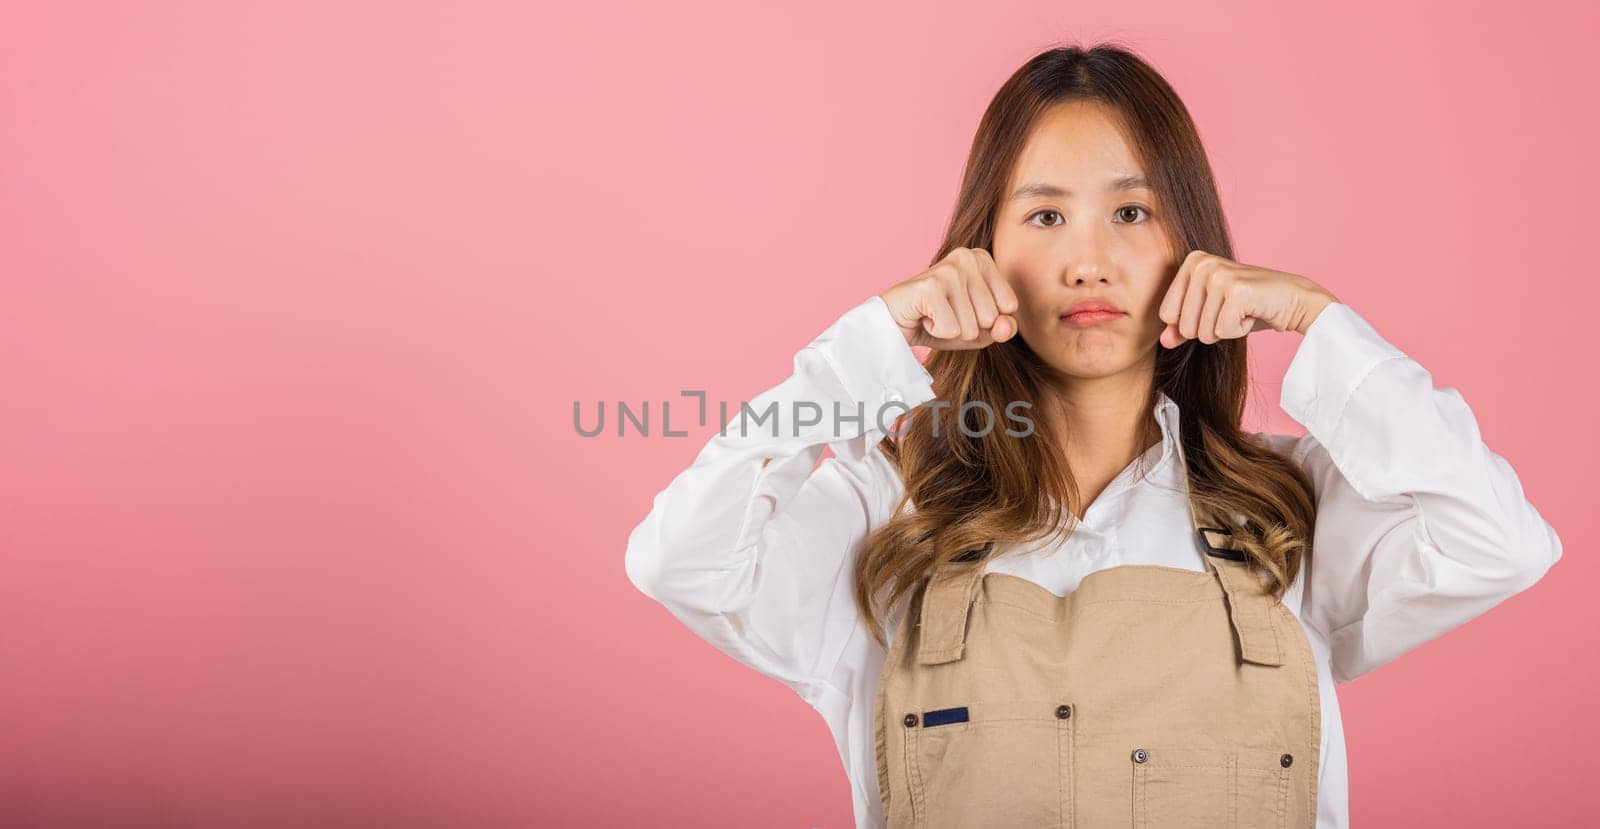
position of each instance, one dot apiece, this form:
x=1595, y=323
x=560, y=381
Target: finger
x=1005, y=299
x=1172, y=301
x=1171, y=337
x=1194, y=295
x=1215, y=296
x=1232, y=321
x=983, y=303
x=982, y=289
x=966, y=317
x=939, y=317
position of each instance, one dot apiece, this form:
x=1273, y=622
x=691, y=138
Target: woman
x=1124, y=608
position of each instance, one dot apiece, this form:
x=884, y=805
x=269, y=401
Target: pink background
x=294, y=523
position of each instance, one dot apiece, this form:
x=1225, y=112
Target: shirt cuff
x=868, y=353
x=1339, y=351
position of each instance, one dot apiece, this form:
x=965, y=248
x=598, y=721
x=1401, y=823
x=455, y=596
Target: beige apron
x=1149, y=696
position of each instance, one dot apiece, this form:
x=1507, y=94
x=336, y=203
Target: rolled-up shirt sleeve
x=1420, y=526
x=750, y=546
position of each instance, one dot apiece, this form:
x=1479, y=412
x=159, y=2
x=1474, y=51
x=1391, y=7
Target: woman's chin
x=1080, y=363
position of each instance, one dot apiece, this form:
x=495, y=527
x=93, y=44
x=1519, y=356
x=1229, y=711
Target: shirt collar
x=1160, y=465
x=1166, y=412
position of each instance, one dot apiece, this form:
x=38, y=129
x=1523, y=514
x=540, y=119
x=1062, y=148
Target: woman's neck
x=1104, y=423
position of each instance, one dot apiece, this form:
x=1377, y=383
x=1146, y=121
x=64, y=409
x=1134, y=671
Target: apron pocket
x=990, y=764
x=1244, y=787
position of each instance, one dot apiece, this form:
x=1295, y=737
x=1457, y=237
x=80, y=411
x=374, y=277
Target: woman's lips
x=1090, y=317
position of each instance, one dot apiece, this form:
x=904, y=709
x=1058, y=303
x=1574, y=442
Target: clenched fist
x=959, y=303
x=1215, y=298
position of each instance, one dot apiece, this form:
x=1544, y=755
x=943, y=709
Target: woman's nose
x=1089, y=259
x=1088, y=266
x=1083, y=274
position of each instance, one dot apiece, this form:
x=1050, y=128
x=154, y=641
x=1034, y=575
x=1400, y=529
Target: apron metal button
x=1063, y=712
x=1139, y=755
x=911, y=721
x=1286, y=760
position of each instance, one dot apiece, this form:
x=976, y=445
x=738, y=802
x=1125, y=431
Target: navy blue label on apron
x=944, y=716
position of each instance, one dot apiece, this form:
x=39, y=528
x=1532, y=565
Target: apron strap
x=1249, y=602
x=946, y=599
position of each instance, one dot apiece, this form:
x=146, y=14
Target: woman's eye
x=1123, y=211
x=1055, y=213
x=1128, y=215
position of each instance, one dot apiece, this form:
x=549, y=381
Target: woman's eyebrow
x=1041, y=188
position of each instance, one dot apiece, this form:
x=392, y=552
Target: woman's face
x=1077, y=223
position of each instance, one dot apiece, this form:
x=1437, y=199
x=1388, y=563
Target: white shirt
x=1420, y=527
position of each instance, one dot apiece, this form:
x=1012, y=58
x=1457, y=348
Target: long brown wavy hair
x=963, y=492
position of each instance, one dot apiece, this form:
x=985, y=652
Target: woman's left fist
x=1215, y=298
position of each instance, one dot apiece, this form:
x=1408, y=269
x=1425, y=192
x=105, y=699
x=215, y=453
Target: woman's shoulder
x=1303, y=450
x=1281, y=444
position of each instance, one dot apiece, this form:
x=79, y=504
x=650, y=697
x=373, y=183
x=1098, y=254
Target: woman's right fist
x=959, y=303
